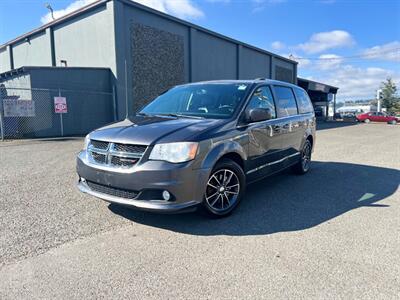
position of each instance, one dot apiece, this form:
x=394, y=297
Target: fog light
x=166, y=195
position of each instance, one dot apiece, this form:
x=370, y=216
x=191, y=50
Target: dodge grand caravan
x=198, y=145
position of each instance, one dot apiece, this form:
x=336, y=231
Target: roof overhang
x=315, y=86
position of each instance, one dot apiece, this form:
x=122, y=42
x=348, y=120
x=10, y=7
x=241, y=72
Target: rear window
x=286, y=103
x=303, y=101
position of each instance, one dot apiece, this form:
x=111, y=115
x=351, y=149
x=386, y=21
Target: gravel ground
x=334, y=233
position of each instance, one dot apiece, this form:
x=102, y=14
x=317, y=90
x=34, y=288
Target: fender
x=222, y=148
x=309, y=132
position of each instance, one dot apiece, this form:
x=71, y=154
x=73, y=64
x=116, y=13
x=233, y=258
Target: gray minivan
x=199, y=145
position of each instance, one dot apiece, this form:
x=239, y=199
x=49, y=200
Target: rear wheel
x=392, y=122
x=303, y=166
x=225, y=188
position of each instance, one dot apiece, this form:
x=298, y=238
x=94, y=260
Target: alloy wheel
x=223, y=189
x=306, y=156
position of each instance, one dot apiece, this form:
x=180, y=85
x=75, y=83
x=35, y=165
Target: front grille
x=99, y=144
x=115, y=155
x=121, y=193
x=123, y=162
x=99, y=158
x=139, y=149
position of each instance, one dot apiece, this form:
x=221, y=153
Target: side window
x=286, y=103
x=262, y=98
x=303, y=101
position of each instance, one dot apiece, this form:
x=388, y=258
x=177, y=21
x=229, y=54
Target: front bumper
x=185, y=184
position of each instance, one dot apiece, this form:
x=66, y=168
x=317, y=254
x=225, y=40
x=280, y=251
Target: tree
x=389, y=96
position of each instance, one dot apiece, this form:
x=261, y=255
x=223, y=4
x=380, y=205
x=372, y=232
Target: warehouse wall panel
x=213, y=58
x=283, y=70
x=4, y=60
x=254, y=64
x=86, y=40
x=34, y=51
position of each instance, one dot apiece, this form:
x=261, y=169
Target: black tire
x=304, y=164
x=223, y=194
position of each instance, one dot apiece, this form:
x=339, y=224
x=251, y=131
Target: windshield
x=213, y=100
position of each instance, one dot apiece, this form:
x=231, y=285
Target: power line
x=366, y=55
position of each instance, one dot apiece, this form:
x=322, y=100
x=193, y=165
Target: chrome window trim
x=272, y=163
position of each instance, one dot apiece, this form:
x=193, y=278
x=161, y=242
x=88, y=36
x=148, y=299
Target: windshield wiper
x=181, y=116
x=143, y=114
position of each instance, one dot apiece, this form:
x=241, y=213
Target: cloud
x=182, y=9
x=356, y=82
x=355, y=79
x=328, y=62
x=324, y=62
x=323, y=41
x=389, y=51
x=303, y=63
x=277, y=45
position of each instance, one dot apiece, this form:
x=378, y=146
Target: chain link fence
x=42, y=113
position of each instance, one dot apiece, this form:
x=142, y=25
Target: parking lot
x=333, y=233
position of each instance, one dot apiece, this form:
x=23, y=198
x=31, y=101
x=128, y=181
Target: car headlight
x=174, y=152
x=86, y=143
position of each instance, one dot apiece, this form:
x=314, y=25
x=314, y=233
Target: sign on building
x=18, y=108
x=60, y=105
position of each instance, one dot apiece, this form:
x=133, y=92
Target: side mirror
x=258, y=114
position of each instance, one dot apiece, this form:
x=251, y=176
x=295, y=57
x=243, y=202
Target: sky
x=351, y=44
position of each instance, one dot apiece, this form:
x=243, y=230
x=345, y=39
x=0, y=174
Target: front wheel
x=367, y=120
x=303, y=166
x=225, y=188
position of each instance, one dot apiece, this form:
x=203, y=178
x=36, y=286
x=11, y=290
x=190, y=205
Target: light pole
x=378, y=97
x=48, y=6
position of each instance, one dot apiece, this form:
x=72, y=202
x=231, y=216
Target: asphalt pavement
x=333, y=233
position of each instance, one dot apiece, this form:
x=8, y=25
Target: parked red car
x=377, y=117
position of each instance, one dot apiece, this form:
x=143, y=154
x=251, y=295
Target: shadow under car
x=286, y=202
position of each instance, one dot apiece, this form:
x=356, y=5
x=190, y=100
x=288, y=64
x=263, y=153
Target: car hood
x=147, y=130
